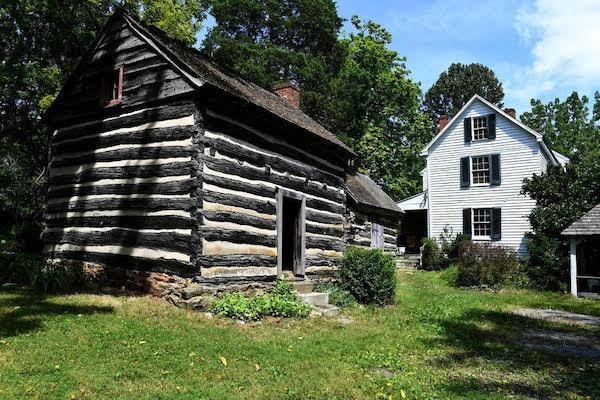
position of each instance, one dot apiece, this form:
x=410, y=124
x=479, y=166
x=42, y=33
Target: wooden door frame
x=299, y=267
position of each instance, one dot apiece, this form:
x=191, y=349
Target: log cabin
x=161, y=161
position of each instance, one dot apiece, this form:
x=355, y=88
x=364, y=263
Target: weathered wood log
x=171, y=241
x=135, y=222
x=175, y=187
x=237, y=236
x=140, y=137
x=236, y=260
x=143, y=171
x=123, y=204
x=261, y=206
x=312, y=261
x=168, y=111
x=323, y=243
x=135, y=153
x=323, y=230
x=232, y=184
x=220, y=125
x=239, y=218
x=275, y=161
x=140, y=94
x=232, y=168
x=324, y=218
x=124, y=261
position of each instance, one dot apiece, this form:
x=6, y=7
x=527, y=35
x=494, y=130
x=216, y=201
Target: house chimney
x=442, y=122
x=512, y=112
x=289, y=92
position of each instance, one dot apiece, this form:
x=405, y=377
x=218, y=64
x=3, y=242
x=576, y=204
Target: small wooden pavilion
x=585, y=254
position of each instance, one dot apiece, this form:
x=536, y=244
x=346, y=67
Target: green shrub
x=547, y=262
x=431, y=257
x=32, y=270
x=337, y=295
x=281, y=302
x=369, y=275
x=485, y=264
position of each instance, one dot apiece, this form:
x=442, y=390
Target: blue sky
x=538, y=48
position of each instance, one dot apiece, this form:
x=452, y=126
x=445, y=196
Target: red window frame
x=112, y=88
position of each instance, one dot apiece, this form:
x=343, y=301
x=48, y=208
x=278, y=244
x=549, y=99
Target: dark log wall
x=121, y=177
x=358, y=227
x=242, y=170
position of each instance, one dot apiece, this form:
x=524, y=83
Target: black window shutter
x=465, y=172
x=496, y=223
x=495, y=170
x=491, y=122
x=467, y=124
x=467, y=222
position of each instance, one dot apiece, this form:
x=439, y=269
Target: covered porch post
x=573, y=259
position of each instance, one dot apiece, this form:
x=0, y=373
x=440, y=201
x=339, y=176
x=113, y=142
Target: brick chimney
x=512, y=112
x=442, y=122
x=289, y=92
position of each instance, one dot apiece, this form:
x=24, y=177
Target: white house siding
x=519, y=158
x=543, y=162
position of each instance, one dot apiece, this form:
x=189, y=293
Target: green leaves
x=457, y=85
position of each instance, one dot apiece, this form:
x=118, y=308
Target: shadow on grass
x=492, y=346
x=23, y=311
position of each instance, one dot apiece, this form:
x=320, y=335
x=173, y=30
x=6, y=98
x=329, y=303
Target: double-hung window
x=480, y=170
x=480, y=128
x=482, y=223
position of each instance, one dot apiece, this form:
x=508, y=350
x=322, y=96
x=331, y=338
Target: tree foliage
x=42, y=42
x=562, y=195
x=375, y=109
x=275, y=41
x=567, y=125
x=457, y=85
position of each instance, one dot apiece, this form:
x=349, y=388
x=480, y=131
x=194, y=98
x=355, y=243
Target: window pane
x=481, y=169
x=482, y=222
x=480, y=130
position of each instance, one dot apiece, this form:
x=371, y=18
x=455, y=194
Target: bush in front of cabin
x=547, y=262
x=487, y=265
x=281, y=302
x=369, y=275
x=338, y=296
x=432, y=257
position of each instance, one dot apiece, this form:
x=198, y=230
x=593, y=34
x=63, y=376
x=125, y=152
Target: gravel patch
x=561, y=343
x=558, y=316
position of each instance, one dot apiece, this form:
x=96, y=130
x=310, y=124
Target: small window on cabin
x=480, y=165
x=480, y=128
x=482, y=223
x=112, y=88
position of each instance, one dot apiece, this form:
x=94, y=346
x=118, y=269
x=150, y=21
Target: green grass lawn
x=437, y=342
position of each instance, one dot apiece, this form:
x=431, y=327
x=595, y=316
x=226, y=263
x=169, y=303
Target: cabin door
x=291, y=226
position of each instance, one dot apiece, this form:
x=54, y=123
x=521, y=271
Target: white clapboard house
x=473, y=179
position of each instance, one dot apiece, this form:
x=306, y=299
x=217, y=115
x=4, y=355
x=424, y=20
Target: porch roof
x=588, y=224
x=416, y=202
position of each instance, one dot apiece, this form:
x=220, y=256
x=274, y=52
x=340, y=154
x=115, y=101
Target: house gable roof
x=199, y=72
x=538, y=136
x=588, y=224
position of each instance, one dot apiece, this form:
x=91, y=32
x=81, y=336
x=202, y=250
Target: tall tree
x=567, y=125
x=42, y=42
x=274, y=41
x=457, y=85
x=562, y=195
x=374, y=108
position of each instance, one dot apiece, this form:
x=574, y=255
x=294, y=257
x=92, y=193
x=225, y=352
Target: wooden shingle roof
x=589, y=224
x=368, y=194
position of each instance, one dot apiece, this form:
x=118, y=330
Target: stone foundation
x=191, y=292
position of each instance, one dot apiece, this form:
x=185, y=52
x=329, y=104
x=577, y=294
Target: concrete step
x=328, y=310
x=315, y=298
x=303, y=286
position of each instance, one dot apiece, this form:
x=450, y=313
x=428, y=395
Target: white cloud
x=562, y=36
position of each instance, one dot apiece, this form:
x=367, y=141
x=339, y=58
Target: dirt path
x=560, y=342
